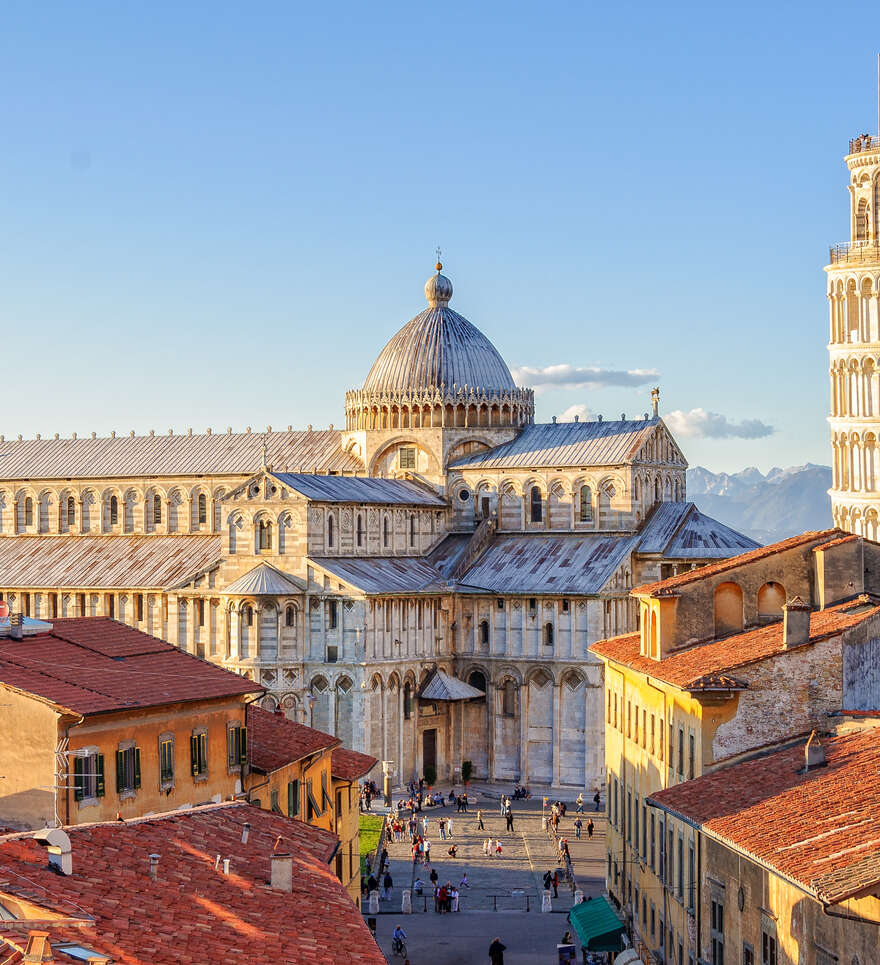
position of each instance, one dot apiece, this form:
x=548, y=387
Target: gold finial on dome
x=439, y=266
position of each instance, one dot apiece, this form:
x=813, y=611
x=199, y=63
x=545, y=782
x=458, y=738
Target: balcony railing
x=866, y=142
x=855, y=251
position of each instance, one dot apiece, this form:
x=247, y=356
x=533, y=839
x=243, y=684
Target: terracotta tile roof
x=837, y=542
x=722, y=566
x=91, y=665
x=192, y=912
x=275, y=741
x=350, y=765
x=695, y=667
x=821, y=829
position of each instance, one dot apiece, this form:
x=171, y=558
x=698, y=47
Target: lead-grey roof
x=442, y=686
x=678, y=530
x=178, y=455
x=105, y=562
x=437, y=348
x=564, y=444
x=265, y=580
x=359, y=489
x=385, y=574
x=578, y=565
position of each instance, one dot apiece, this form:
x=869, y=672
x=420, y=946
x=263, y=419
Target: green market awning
x=597, y=925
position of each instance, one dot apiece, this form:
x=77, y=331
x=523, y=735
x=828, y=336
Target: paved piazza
x=527, y=853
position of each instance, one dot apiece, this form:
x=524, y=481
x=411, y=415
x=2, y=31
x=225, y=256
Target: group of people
x=490, y=848
x=578, y=827
x=369, y=790
x=579, y=803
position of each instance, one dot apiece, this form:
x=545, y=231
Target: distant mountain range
x=767, y=508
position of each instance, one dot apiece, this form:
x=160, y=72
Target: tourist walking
x=388, y=885
x=580, y=804
x=590, y=828
x=509, y=821
x=449, y=827
x=480, y=826
x=442, y=825
x=496, y=952
x=578, y=824
x=498, y=847
x=596, y=800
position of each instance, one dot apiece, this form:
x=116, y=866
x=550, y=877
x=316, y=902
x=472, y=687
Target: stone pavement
x=502, y=890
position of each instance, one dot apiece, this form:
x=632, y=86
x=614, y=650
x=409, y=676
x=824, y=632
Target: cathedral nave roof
x=105, y=562
x=265, y=580
x=565, y=444
x=127, y=456
x=383, y=575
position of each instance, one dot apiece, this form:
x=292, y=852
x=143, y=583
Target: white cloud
x=583, y=412
x=700, y=424
x=580, y=377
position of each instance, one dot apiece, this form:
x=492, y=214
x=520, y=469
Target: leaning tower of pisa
x=854, y=347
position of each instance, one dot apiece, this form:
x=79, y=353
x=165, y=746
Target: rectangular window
x=652, y=733
x=670, y=857
x=653, y=919
x=662, y=742
x=236, y=746
x=716, y=932
x=565, y=606
x=333, y=611
x=629, y=710
x=748, y=955
x=636, y=733
x=128, y=769
x=644, y=728
x=332, y=654
x=200, y=610
x=533, y=605
x=293, y=799
x=691, y=874
x=671, y=746
x=88, y=776
x=312, y=807
x=681, y=751
x=273, y=802
x=499, y=603
x=636, y=823
x=166, y=760
x=629, y=808
x=768, y=948
x=198, y=752
x=691, y=756
x=139, y=607
x=644, y=830
x=608, y=712
x=653, y=848
x=679, y=883
x=407, y=457
x=615, y=712
x=661, y=868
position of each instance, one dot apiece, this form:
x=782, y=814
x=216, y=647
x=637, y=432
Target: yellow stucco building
x=731, y=659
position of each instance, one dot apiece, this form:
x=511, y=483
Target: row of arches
x=855, y=387
x=856, y=519
x=728, y=605
x=854, y=309
x=855, y=462
x=112, y=510
x=366, y=412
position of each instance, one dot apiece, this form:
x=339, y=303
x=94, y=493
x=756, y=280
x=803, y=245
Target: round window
x=463, y=495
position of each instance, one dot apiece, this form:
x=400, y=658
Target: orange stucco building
x=106, y=720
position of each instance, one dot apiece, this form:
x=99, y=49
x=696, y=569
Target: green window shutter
x=194, y=754
x=203, y=753
x=243, y=745
x=325, y=797
x=137, y=767
x=120, y=772
x=99, y=775
x=230, y=747
x=293, y=799
x=79, y=791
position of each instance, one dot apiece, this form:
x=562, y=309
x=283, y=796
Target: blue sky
x=216, y=214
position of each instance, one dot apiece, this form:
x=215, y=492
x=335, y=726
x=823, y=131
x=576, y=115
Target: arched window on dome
x=484, y=633
x=157, y=509
x=71, y=511
x=586, y=505
x=114, y=511
x=862, y=221
x=202, y=508
x=536, y=505
x=28, y=511
x=290, y=615
x=264, y=535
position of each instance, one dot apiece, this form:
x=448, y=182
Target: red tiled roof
x=192, y=912
x=91, y=665
x=722, y=566
x=350, y=765
x=836, y=542
x=821, y=829
x=689, y=668
x=275, y=741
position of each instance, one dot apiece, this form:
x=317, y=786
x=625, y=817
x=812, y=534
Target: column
x=490, y=727
x=332, y=709
x=401, y=779
x=524, y=733
x=258, y=631
x=557, y=729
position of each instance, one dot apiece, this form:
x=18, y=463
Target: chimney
x=814, y=752
x=245, y=831
x=154, y=866
x=554, y=420
x=16, y=626
x=38, y=948
x=226, y=866
x=282, y=872
x=57, y=843
x=577, y=418
x=795, y=623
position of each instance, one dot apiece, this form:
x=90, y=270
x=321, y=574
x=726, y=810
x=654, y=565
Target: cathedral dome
x=438, y=348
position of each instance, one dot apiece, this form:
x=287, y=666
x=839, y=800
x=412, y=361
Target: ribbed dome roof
x=439, y=347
